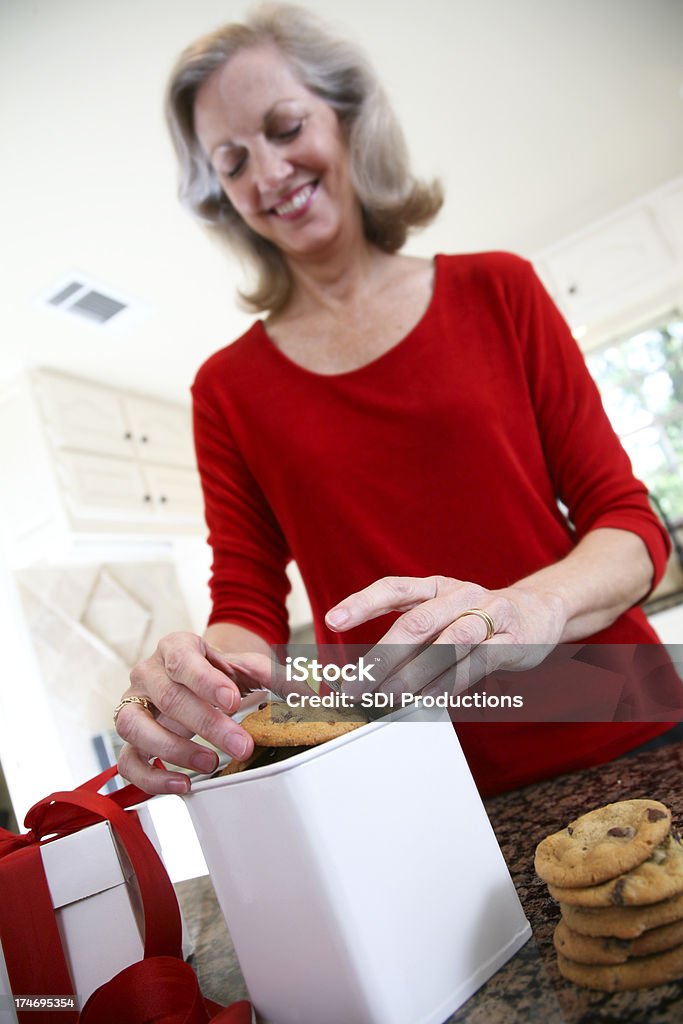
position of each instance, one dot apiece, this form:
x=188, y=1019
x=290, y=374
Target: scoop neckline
x=399, y=345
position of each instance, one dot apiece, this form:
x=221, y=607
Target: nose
x=269, y=167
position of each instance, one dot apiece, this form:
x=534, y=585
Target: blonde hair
x=392, y=200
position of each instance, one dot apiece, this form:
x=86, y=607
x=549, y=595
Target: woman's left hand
x=450, y=633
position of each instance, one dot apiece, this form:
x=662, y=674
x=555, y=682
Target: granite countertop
x=528, y=988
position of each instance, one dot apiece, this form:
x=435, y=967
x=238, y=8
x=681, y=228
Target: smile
x=296, y=203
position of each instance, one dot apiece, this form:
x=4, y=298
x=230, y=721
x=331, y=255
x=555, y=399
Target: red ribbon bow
x=161, y=988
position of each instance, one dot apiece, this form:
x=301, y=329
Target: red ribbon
x=161, y=989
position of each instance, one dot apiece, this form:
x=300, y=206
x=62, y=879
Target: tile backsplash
x=90, y=625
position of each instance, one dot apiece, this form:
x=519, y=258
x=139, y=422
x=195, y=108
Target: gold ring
x=146, y=704
x=484, y=616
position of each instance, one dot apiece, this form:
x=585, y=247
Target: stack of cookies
x=617, y=873
x=280, y=731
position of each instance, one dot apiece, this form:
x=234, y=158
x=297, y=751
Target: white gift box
x=361, y=880
x=96, y=906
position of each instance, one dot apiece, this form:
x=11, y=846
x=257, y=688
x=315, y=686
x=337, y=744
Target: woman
x=402, y=427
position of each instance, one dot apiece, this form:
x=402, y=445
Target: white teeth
x=296, y=202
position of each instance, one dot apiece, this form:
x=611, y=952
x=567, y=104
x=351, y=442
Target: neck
x=334, y=282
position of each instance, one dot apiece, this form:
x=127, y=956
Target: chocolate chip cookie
x=657, y=878
x=587, y=949
x=640, y=972
x=603, y=843
x=277, y=724
x=622, y=922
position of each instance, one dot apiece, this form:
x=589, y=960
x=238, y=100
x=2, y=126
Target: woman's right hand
x=194, y=689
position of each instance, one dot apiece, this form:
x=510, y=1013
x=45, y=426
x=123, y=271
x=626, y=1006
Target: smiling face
x=279, y=153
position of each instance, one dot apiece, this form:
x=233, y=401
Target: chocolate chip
x=654, y=815
x=614, y=943
x=617, y=894
x=570, y=830
x=622, y=832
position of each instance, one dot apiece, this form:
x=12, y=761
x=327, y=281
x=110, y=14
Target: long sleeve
x=248, y=584
x=591, y=472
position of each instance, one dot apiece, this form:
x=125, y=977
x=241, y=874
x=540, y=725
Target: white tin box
x=361, y=880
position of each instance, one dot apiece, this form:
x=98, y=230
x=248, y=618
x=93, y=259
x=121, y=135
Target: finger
x=472, y=664
x=438, y=663
x=385, y=660
x=421, y=670
x=134, y=767
x=258, y=672
x=248, y=671
x=450, y=655
x=177, y=703
x=425, y=622
x=393, y=593
x=187, y=661
x=175, y=750
x=419, y=627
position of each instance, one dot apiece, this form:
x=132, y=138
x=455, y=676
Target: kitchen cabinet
x=85, y=416
x=81, y=458
x=161, y=433
x=619, y=261
x=119, y=490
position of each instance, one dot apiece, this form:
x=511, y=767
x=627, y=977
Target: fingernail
x=180, y=786
x=237, y=746
x=204, y=761
x=227, y=699
x=337, y=617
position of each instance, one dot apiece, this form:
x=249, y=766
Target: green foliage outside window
x=640, y=377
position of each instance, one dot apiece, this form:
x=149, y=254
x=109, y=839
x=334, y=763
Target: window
x=640, y=377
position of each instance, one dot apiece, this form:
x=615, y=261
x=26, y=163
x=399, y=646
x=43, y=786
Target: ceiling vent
x=83, y=300
x=79, y=295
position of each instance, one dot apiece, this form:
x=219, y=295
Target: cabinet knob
x=163, y=499
x=147, y=497
x=573, y=289
x=144, y=439
x=128, y=436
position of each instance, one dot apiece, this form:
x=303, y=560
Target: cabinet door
x=82, y=415
x=177, y=494
x=111, y=489
x=162, y=432
x=606, y=268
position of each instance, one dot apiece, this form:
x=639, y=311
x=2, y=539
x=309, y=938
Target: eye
x=235, y=170
x=285, y=132
x=231, y=164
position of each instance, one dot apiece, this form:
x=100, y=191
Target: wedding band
x=146, y=704
x=484, y=616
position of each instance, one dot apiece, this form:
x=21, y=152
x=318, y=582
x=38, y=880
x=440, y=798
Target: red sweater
x=446, y=455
